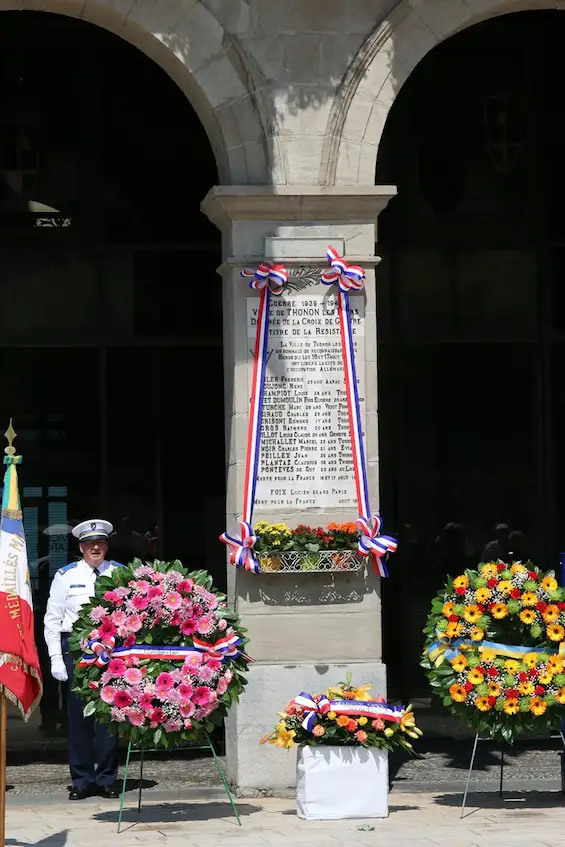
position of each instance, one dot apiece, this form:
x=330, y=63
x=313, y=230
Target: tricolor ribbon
x=224, y=648
x=372, y=542
x=349, y=708
x=352, y=278
x=269, y=279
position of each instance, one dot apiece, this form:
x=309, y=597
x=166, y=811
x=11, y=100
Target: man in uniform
x=90, y=743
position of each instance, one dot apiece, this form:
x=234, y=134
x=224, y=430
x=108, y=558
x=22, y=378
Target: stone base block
x=256, y=770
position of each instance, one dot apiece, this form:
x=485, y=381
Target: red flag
x=20, y=674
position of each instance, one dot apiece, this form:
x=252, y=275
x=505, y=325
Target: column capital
x=225, y=204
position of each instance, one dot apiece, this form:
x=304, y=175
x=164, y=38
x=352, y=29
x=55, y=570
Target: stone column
x=305, y=630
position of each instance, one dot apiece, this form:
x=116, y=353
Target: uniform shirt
x=72, y=587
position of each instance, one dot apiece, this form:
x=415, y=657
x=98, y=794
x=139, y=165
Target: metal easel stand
x=207, y=746
x=500, y=787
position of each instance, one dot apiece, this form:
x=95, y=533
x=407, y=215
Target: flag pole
x=3, y=711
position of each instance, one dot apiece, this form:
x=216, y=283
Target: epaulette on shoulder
x=66, y=568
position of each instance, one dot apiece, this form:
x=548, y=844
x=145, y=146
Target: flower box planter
x=298, y=561
x=333, y=783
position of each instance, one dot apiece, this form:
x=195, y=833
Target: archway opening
x=111, y=317
x=471, y=317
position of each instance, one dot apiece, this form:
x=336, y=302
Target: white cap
x=94, y=529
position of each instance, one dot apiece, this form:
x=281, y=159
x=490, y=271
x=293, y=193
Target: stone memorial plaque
x=306, y=460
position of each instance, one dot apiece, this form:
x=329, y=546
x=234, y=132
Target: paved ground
x=417, y=820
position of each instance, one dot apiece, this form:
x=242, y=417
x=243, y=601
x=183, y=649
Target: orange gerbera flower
x=342, y=721
x=551, y=613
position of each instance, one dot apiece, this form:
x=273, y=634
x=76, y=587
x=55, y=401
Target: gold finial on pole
x=9, y=435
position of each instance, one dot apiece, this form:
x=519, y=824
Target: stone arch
x=378, y=72
x=189, y=43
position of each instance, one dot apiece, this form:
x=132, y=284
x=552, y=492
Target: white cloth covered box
x=333, y=783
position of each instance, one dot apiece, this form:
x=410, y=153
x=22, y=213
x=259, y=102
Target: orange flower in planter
x=342, y=721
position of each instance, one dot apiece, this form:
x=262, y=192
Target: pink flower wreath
x=159, y=654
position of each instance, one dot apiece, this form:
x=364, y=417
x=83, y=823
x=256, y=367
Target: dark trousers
x=93, y=750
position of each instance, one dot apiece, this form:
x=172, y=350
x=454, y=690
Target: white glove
x=58, y=669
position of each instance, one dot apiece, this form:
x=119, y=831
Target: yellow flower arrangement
x=511, y=666
x=454, y=630
x=457, y=693
x=494, y=689
x=537, y=706
x=482, y=703
x=555, y=664
x=505, y=586
x=483, y=595
x=555, y=632
x=461, y=581
x=472, y=613
x=459, y=663
x=518, y=568
x=447, y=609
x=549, y=583
x=531, y=659
x=526, y=688
x=529, y=598
x=499, y=611
x=560, y=695
x=527, y=616
x=511, y=707
x=477, y=634
x=475, y=677
x=489, y=571
x=551, y=614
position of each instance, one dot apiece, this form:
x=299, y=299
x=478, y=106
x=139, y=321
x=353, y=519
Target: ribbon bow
x=348, y=277
x=223, y=648
x=103, y=650
x=267, y=274
x=312, y=709
x=241, y=549
x=372, y=542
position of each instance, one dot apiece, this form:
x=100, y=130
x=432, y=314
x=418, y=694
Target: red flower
x=500, y=566
x=561, y=606
x=532, y=575
x=539, y=689
x=480, y=607
x=541, y=606
x=468, y=686
x=492, y=672
x=512, y=694
x=460, y=590
x=453, y=618
x=492, y=583
x=515, y=593
x=491, y=701
x=523, y=677
x=533, y=673
x=93, y=684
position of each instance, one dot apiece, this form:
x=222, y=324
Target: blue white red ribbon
x=350, y=708
x=103, y=652
x=269, y=279
x=352, y=278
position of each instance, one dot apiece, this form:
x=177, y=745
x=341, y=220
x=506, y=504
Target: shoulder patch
x=66, y=568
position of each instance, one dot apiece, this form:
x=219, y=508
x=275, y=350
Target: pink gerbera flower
x=107, y=694
x=187, y=709
x=142, y=586
x=112, y=597
x=108, y=628
x=134, y=623
x=117, y=667
x=154, y=592
x=188, y=627
x=204, y=625
x=213, y=663
x=136, y=717
x=122, y=699
x=97, y=614
x=157, y=715
x=175, y=619
x=173, y=600
x=129, y=640
x=146, y=702
x=165, y=681
x=139, y=602
x=201, y=696
x=222, y=624
x=173, y=725
x=144, y=571
x=222, y=686
x=133, y=676
x=186, y=691
x=122, y=592
x=119, y=617
x=185, y=586
x=193, y=661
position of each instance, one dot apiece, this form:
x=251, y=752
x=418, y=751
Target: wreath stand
x=207, y=746
x=501, y=783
